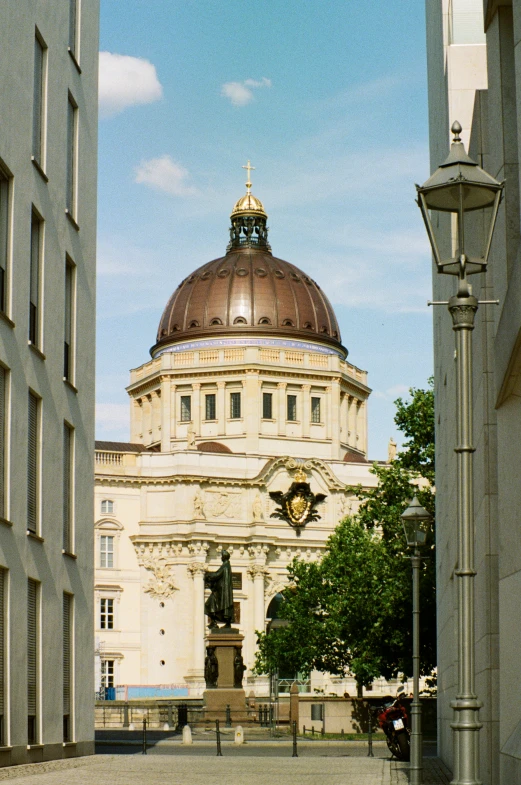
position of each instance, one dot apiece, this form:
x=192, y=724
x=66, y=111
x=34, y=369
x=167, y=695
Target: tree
x=352, y=611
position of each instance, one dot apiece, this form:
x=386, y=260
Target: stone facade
x=488, y=108
x=48, y=154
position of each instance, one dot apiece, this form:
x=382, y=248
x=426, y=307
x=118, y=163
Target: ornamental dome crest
x=248, y=292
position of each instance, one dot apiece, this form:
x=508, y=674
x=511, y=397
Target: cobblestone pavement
x=196, y=769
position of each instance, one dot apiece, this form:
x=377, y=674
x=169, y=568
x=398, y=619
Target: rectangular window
x=69, y=320
x=68, y=480
x=235, y=406
x=38, y=99
x=106, y=551
x=34, y=283
x=33, y=463
x=210, y=407
x=3, y=616
x=106, y=616
x=186, y=408
x=292, y=407
x=67, y=666
x=267, y=406
x=107, y=674
x=3, y=439
x=72, y=133
x=4, y=238
x=33, y=655
x=73, y=26
x=315, y=410
x=236, y=613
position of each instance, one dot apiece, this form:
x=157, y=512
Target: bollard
x=218, y=736
x=370, y=753
x=144, y=736
x=228, y=716
x=342, y=733
x=295, y=753
x=313, y=731
x=323, y=731
x=125, y=716
x=304, y=730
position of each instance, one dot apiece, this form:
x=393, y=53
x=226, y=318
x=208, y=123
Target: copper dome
x=248, y=292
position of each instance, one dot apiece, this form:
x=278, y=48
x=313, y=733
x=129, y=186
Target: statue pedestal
x=225, y=642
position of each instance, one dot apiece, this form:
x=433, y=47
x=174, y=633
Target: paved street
x=254, y=768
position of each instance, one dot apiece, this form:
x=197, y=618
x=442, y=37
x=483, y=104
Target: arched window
x=107, y=507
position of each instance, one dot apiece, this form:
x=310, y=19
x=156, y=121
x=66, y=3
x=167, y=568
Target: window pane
x=38, y=99
x=292, y=407
x=72, y=25
x=34, y=284
x=72, y=113
x=210, y=407
x=3, y=413
x=32, y=660
x=106, y=551
x=186, y=408
x=315, y=410
x=106, y=614
x=235, y=406
x=67, y=660
x=68, y=321
x=267, y=406
x=4, y=237
x=67, y=487
x=32, y=464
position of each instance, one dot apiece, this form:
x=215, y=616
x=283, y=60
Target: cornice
x=259, y=481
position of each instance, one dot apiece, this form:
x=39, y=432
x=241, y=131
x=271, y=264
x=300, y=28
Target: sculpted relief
x=222, y=504
x=161, y=585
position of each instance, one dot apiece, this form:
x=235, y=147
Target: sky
x=329, y=102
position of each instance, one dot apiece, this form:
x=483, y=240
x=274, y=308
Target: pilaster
x=165, y=414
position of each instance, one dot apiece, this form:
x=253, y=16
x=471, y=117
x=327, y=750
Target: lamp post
x=459, y=186
x=416, y=523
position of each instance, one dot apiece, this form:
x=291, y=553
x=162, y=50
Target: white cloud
x=241, y=93
x=164, y=174
x=113, y=417
x=126, y=81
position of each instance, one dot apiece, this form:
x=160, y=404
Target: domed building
x=248, y=390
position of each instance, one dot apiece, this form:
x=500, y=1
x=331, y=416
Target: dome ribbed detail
x=248, y=292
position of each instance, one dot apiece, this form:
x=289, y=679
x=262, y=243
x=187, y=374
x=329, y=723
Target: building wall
x=492, y=129
x=38, y=366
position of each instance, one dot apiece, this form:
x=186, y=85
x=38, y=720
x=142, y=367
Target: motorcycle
x=393, y=720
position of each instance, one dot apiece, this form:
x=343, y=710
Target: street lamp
x=459, y=186
x=416, y=522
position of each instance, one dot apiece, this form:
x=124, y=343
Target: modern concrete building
x=48, y=151
x=248, y=388
x=474, y=61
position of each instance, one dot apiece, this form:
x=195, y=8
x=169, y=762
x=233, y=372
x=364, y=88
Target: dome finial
x=250, y=168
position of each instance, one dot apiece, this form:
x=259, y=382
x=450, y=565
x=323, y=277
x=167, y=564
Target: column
x=165, y=414
x=221, y=408
x=358, y=420
x=173, y=411
x=196, y=408
x=306, y=410
x=328, y=412
x=344, y=425
x=352, y=421
x=251, y=395
x=362, y=429
x=197, y=570
x=282, y=407
x=147, y=419
x=136, y=427
x=156, y=415
x=335, y=418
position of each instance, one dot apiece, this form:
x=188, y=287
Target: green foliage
x=352, y=612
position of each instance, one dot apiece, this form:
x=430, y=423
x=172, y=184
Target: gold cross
x=249, y=167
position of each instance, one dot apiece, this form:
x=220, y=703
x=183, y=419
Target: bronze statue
x=211, y=668
x=219, y=605
x=238, y=668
